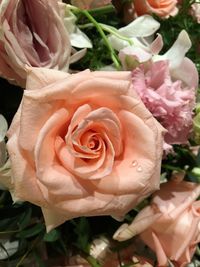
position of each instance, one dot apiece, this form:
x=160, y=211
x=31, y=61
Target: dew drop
x=139, y=168
x=134, y=163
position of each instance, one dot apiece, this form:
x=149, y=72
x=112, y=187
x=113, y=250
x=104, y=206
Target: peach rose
x=171, y=224
x=162, y=8
x=84, y=145
x=33, y=34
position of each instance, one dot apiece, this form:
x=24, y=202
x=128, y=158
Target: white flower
x=181, y=67
x=138, y=31
x=3, y=130
x=78, y=39
x=10, y=248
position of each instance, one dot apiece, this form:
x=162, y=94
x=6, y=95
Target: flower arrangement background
x=99, y=133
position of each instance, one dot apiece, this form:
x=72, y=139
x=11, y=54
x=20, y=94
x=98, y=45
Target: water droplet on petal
x=139, y=168
x=134, y=163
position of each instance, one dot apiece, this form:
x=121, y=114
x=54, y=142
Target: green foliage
x=24, y=221
x=82, y=231
x=99, y=55
x=52, y=236
x=31, y=231
x=171, y=27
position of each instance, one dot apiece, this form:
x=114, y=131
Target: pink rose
x=89, y=4
x=162, y=8
x=170, y=225
x=32, y=34
x=84, y=145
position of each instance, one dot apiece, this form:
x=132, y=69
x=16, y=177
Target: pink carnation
x=171, y=102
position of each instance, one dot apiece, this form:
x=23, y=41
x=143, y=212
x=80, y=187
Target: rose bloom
x=170, y=226
x=89, y=4
x=83, y=145
x=32, y=34
x=162, y=8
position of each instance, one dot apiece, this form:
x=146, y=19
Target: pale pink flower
x=195, y=11
x=170, y=225
x=171, y=102
x=32, y=34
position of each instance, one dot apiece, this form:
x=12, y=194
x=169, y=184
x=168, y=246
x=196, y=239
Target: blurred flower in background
x=161, y=8
x=29, y=40
x=195, y=11
x=170, y=225
x=90, y=4
x=3, y=130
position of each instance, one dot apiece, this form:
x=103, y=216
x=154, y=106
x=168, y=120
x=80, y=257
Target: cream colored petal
x=142, y=221
x=177, y=52
x=78, y=55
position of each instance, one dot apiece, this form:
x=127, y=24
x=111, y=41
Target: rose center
x=93, y=144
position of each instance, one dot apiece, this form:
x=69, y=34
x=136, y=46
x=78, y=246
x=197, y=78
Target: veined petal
x=143, y=26
x=177, y=52
x=80, y=40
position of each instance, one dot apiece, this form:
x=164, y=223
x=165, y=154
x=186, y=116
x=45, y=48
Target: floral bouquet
x=99, y=133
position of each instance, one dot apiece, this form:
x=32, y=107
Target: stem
x=114, y=32
x=93, y=261
x=198, y=251
x=95, y=11
x=87, y=25
x=102, y=10
x=101, y=32
x=73, y=8
x=9, y=232
x=27, y=252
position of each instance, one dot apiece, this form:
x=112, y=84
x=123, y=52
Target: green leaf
x=52, y=236
x=82, y=230
x=25, y=219
x=38, y=259
x=198, y=158
x=8, y=224
x=31, y=231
